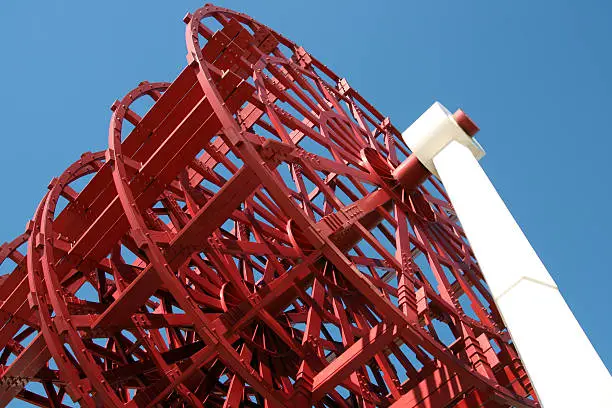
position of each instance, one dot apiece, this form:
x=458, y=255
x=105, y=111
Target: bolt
x=465, y=123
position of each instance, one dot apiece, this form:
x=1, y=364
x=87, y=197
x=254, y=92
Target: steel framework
x=256, y=234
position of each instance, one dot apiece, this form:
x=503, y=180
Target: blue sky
x=534, y=75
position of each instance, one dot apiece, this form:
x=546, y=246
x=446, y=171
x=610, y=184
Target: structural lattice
x=256, y=234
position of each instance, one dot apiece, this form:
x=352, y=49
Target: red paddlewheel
x=256, y=234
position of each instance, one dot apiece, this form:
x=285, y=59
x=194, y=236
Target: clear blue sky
x=535, y=75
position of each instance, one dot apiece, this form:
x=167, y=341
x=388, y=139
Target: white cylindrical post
x=563, y=366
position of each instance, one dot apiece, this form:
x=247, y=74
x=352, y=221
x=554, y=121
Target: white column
x=563, y=366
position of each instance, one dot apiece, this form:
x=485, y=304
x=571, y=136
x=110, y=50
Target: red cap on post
x=465, y=123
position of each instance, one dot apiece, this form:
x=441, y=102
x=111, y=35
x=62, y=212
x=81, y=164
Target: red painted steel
x=258, y=236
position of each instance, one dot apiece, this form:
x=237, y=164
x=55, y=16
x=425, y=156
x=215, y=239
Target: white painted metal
x=562, y=364
x=434, y=130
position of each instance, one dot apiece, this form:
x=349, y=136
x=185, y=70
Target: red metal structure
x=256, y=234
